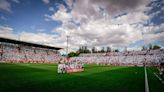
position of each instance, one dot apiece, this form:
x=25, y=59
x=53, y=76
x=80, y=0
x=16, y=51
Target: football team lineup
x=95, y=78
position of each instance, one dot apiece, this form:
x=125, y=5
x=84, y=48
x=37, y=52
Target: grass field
x=154, y=84
x=44, y=78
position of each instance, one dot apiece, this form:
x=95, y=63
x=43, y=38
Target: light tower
x=67, y=45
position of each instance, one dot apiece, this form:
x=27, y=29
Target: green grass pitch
x=44, y=78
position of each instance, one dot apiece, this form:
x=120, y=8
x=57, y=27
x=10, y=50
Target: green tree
x=93, y=50
x=143, y=48
x=73, y=54
x=116, y=50
x=108, y=49
x=84, y=49
x=102, y=50
x=156, y=47
x=80, y=50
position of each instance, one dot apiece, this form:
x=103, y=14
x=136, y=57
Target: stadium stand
x=131, y=58
x=13, y=51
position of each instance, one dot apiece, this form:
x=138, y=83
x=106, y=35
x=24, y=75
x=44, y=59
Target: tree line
x=150, y=47
x=85, y=49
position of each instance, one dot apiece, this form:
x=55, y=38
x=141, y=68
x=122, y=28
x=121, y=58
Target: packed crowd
x=27, y=54
x=138, y=58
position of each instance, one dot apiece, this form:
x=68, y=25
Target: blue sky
x=28, y=15
x=87, y=22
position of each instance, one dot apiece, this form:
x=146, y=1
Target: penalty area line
x=159, y=78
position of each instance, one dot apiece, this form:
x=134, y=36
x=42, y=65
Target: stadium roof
x=27, y=43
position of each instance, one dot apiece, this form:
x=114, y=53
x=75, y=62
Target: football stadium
x=81, y=45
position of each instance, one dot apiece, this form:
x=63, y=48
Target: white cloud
x=44, y=38
x=154, y=14
x=91, y=8
x=97, y=25
x=7, y=32
x=5, y=5
x=99, y=33
x=36, y=37
x=5, y=29
x=70, y=3
x=131, y=18
x=16, y=1
x=3, y=18
x=60, y=15
x=154, y=33
x=40, y=30
x=51, y=9
x=46, y=1
x=39, y=38
x=162, y=8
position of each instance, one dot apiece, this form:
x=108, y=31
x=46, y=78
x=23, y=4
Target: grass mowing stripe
x=146, y=81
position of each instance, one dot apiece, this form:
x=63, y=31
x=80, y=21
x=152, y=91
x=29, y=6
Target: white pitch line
x=158, y=77
x=146, y=81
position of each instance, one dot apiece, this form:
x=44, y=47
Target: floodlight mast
x=67, y=46
x=142, y=33
x=143, y=46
